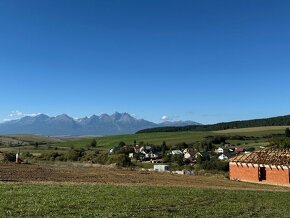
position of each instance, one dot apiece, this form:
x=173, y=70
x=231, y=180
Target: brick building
x=270, y=166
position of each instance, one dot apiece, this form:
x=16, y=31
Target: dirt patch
x=76, y=174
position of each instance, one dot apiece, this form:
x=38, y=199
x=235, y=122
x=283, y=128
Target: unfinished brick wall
x=277, y=175
x=243, y=172
x=250, y=173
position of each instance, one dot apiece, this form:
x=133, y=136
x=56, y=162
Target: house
x=270, y=166
x=114, y=149
x=239, y=150
x=223, y=157
x=176, y=152
x=137, y=149
x=161, y=167
x=146, y=153
x=151, y=155
x=231, y=149
x=188, y=154
x=219, y=150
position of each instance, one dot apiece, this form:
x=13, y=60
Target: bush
x=9, y=157
x=51, y=156
x=120, y=160
x=281, y=142
x=215, y=164
x=126, y=150
x=89, y=156
x=74, y=155
x=27, y=155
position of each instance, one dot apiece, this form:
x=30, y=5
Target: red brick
x=250, y=173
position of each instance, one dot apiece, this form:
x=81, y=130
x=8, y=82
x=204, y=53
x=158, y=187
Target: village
x=265, y=165
x=183, y=157
x=212, y=155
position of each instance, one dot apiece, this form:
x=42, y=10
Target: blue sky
x=207, y=61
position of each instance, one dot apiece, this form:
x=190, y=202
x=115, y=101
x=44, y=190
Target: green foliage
x=93, y=144
x=250, y=149
x=121, y=144
x=281, y=142
x=9, y=157
x=118, y=159
x=215, y=164
x=50, y=156
x=179, y=160
x=287, y=132
x=26, y=155
x=126, y=150
x=164, y=148
x=205, y=145
x=89, y=155
x=74, y=155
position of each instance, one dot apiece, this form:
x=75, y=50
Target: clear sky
x=206, y=61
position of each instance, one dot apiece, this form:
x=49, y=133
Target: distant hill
x=178, y=123
x=64, y=125
x=274, y=121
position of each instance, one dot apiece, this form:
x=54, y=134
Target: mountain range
x=64, y=125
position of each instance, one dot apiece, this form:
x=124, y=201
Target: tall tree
x=94, y=143
x=287, y=132
x=163, y=147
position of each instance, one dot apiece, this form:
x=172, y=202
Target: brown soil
x=79, y=174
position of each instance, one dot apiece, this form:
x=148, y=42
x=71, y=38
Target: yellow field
x=272, y=129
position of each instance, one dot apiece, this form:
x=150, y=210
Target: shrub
x=9, y=157
x=120, y=160
x=90, y=156
x=51, y=156
x=126, y=150
x=215, y=164
x=27, y=155
x=74, y=155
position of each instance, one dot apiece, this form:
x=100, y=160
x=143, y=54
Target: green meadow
x=26, y=142
x=35, y=200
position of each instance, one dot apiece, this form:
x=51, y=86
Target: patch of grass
x=19, y=200
x=154, y=138
x=255, y=131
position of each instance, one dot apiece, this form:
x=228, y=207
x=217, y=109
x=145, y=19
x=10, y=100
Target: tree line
x=274, y=121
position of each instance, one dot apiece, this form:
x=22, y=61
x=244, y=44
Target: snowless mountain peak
x=117, y=123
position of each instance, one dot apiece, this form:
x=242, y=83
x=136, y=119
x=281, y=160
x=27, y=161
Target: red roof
x=240, y=149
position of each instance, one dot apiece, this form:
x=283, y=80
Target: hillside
x=274, y=121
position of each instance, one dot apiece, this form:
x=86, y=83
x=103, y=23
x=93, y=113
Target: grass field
x=154, y=138
x=255, y=131
x=171, y=138
x=34, y=200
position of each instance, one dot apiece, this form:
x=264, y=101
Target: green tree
x=94, y=143
x=163, y=148
x=122, y=144
x=287, y=132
